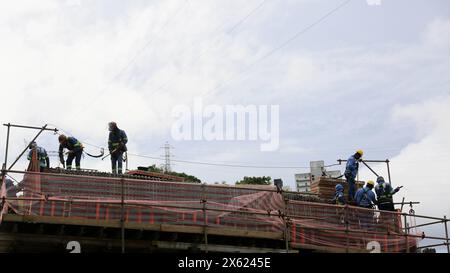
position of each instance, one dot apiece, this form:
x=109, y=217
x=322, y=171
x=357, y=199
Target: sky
x=345, y=75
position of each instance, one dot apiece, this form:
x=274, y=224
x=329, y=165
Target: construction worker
x=75, y=151
x=384, y=193
x=365, y=198
x=351, y=171
x=42, y=156
x=339, y=198
x=117, y=146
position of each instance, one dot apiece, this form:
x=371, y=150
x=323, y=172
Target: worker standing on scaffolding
x=365, y=198
x=117, y=146
x=75, y=151
x=351, y=171
x=384, y=193
x=41, y=153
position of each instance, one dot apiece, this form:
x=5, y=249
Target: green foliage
x=264, y=180
x=187, y=178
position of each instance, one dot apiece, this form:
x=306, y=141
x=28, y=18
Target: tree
x=264, y=180
x=187, y=178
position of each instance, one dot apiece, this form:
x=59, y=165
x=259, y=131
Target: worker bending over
x=117, y=146
x=75, y=151
x=351, y=171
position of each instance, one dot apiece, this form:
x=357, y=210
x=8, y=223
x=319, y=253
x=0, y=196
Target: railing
x=258, y=212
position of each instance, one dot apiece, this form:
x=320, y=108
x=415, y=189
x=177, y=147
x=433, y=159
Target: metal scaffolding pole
x=446, y=234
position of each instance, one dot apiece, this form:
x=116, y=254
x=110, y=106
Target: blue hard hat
x=380, y=179
x=339, y=187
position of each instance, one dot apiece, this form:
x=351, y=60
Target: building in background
x=317, y=169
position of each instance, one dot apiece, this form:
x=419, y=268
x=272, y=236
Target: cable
x=233, y=28
x=282, y=45
x=221, y=165
x=132, y=60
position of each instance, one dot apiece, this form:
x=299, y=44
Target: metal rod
x=122, y=218
x=30, y=127
x=205, y=223
x=286, y=226
x=427, y=224
x=363, y=161
x=6, y=156
x=406, y=234
x=402, y=203
x=446, y=233
x=427, y=246
x=25, y=149
x=370, y=161
x=389, y=171
x=347, y=242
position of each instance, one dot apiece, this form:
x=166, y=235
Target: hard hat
x=380, y=179
x=339, y=187
x=112, y=125
x=361, y=152
x=370, y=182
x=62, y=138
x=32, y=145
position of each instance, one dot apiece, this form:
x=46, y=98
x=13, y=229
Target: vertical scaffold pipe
x=122, y=214
x=205, y=223
x=446, y=234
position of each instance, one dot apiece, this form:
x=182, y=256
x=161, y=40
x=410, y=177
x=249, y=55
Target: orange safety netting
x=159, y=202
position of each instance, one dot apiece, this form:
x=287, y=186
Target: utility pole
x=167, y=156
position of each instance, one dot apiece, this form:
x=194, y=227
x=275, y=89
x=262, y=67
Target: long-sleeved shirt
x=42, y=156
x=116, y=138
x=72, y=144
x=339, y=198
x=385, y=192
x=352, y=166
x=365, y=197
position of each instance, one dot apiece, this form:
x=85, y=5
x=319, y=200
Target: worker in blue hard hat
x=41, y=153
x=351, y=171
x=339, y=198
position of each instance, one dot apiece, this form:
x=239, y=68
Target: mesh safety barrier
x=187, y=204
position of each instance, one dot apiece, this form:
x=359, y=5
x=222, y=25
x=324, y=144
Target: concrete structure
x=317, y=169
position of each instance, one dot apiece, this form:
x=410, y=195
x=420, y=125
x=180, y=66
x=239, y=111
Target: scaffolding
x=213, y=210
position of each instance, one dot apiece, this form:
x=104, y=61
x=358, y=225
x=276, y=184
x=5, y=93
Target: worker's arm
x=110, y=147
x=373, y=198
x=341, y=199
x=61, y=155
x=30, y=154
x=124, y=137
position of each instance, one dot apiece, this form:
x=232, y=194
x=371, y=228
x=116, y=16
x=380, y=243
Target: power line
x=216, y=41
x=282, y=45
x=221, y=165
x=132, y=60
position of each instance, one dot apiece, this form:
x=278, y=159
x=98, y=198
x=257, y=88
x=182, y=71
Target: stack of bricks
x=325, y=187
